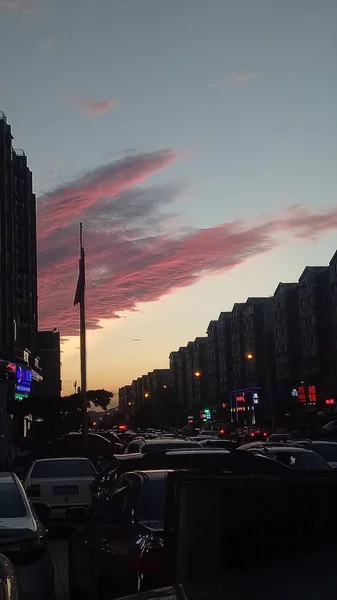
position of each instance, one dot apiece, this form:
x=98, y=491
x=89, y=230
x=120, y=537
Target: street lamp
x=197, y=374
x=146, y=395
x=250, y=356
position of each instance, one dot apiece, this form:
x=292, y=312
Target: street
x=58, y=544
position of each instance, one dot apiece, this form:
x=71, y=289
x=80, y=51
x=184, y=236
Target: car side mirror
x=9, y=589
x=42, y=511
x=76, y=514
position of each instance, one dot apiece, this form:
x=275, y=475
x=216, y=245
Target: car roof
x=197, y=452
x=128, y=456
x=162, y=441
x=62, y=458
x=7, y=478
x=324, y=442
x=288, y=449
x=155, y=475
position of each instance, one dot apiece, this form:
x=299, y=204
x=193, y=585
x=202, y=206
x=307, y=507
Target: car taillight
x=252, y=435
x=153, y=555
x=33, y=490
x=265, y=434
x=25, y=551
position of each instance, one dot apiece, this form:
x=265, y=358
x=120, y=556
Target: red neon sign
x=301, y=394
x=329, y=401
x=241, y=398
x=312, y=393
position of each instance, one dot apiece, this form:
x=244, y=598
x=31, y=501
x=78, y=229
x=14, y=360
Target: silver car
x=23, y=540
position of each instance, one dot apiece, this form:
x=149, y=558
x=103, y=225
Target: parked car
x=98, y=447
x=294, y=457
x=219, y=443
x=280, y=438
x=61, y=483
x=251, y=434
x=143, y=446
x=23, y=540
x=325, y=448
x=120, y=549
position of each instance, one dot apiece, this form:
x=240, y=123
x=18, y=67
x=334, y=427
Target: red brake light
x=252, y=434
x=265, y=434
x=222, y=431
x=153, y=556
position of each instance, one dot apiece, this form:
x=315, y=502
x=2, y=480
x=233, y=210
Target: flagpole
x=83, y=351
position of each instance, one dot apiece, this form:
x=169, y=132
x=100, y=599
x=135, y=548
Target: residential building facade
x=49, y=349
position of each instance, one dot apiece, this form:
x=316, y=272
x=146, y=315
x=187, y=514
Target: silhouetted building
x=238, y=347
x=287, y=342
x=49, y=348
x=200, y=374
x=225, y=357
x=189, y=377
x=331, y=384
x=18, y=261
x=213, y=364
x=314, y=296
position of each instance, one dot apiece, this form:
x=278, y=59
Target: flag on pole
x=79, y=294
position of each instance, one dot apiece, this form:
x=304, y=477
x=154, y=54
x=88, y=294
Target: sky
x=197, y=142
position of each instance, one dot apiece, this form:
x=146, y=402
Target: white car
x=61, y=483
x=23, y=540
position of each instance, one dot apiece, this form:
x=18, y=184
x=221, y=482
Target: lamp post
x=264, y=362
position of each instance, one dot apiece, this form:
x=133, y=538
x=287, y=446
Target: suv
x=143, y=446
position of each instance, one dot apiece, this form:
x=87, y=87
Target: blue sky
x=243, y=92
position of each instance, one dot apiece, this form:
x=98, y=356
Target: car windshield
x=328, y=451
x=11, y=502
x=62, y=468
x=301, y=460
x=152, y=501
x=168, y=446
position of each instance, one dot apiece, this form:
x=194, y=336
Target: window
x=278, y=351
x=304, y=322
x=314, y=340
x=283, y=312
x=285, y=349
x=313, y=320
x=305, y=341
x=279, y=369
x=133, y=448
x=302, y=303
x=110, y=509
x=152, y=501
x=277, y=333
x=62, y=468
x=276, y=315
x=284, y=330
x=11, y=502
x=311, y=300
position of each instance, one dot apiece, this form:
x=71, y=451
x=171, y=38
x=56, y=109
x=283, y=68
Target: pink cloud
x=235, y=78
x=131, y=255
x=93, y=108
x=71, y=200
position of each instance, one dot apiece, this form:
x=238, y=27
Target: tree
x=58, y=415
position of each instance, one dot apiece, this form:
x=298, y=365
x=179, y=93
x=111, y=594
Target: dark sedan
x=120, y=549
